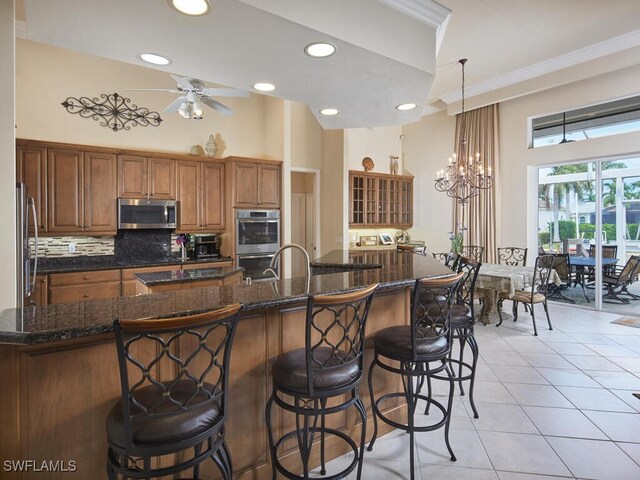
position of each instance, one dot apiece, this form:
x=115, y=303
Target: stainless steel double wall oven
x=257, y=240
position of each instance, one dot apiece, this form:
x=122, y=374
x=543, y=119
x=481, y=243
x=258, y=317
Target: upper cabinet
x=380, y=200
x=31, y=169
x=256, y=185
x=146, y=177
x=81, y=192
x=200, y=195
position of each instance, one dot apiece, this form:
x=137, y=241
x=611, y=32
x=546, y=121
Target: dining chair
x=618, y=281
x=516, y=256
x=474, y=252
x=537, y=292
x=450, y=259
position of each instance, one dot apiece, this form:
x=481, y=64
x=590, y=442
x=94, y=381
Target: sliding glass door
x=589, y=213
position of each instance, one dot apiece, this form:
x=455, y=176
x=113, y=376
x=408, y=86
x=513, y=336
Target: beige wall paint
x=333, y=191
x=7, y=156
x=377, y=143
x=518, y=162
x=427, y=146
x=273, y=128
x=306, y=137
x=47, y=75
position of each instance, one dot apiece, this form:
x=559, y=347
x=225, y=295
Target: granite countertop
x=180, y=276
x=85, y=263
x=50, y=323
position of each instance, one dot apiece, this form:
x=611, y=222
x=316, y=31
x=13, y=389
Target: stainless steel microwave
x=136, y=213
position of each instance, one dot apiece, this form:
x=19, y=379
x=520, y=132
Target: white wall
x=518, y=162
x=7, y=156
x=376, y=143
x=427, y=146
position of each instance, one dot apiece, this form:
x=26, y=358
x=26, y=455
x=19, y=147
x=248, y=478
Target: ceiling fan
x=194, y=94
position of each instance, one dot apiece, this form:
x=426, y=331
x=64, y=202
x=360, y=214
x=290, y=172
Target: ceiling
x=388, y=51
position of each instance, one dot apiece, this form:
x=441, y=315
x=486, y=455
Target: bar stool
x=462, y=323
x=182, y=411
x=329, y=365
x=427, y=339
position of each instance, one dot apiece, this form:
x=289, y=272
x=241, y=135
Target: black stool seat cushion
x=395, y=342
x=170, y=424
x=461, y=317
x=290, y=371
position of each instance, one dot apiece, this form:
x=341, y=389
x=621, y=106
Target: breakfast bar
x=60, y=372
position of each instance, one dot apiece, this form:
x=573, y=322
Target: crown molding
x=21, y=29
x=592, y=52
x=425, y=11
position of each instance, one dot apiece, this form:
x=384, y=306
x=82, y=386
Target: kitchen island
x=172, y=280
x=60, y=373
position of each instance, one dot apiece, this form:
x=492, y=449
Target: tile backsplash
x=59, y=246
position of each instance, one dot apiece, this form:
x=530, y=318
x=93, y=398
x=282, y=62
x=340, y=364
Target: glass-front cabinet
x=380, y=200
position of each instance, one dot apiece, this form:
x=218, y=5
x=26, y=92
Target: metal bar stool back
x=427, y=339
x=329, y=365
x=174, y=378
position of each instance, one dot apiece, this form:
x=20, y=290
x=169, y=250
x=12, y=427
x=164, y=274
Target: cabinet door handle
x=85, y=278
x=85, y=296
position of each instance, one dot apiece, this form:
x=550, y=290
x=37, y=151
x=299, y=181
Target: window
x=620, y=116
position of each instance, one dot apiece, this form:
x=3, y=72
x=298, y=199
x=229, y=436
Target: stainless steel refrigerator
x=26, y=209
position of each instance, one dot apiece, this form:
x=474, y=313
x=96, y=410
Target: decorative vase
x=211, y=146
x=183, y=252
x=393, y=164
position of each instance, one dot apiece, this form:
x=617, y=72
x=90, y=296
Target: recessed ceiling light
x=191, y=7
x=154, y=59
x=329, y=111
x=319, y=49
x=264, y=87
x=406, y=106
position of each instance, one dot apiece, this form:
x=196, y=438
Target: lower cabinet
x=81, y=286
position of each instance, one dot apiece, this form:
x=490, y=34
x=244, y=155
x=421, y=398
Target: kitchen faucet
x=275, y=258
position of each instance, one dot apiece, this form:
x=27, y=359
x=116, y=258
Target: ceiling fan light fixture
x=154, y=59
x=197, y=110
x=320, y=49
x=329, y=111
x=406, y=106
x=185, y=110
x=193, y=8
x=264, y=87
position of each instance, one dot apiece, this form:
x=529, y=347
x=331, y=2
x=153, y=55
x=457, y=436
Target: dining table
x=494, y=279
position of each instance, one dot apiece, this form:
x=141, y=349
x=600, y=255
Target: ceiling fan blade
x=223, y=92
x=170, y=90
x=184, y=83
x=175, y=105
x=216, y=105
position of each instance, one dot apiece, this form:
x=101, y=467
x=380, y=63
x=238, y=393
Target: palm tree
x=559, y=192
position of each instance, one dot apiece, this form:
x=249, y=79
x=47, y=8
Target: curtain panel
x=479, y=216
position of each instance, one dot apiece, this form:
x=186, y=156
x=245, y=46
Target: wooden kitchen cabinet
x=200, y=194
x=100, y=193
x=31, y=169
x=256, y=185
x=380, y=200
x=65, y=190
x=40, y=294
x=146, y=177
x=81, y=192
x=81, y=286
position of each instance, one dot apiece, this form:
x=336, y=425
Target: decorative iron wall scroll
x=113, y=111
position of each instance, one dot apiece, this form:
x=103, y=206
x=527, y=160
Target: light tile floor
x=559, y=405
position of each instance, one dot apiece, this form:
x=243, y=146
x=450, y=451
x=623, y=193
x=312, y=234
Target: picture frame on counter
x=386, y=239
x=368, y=240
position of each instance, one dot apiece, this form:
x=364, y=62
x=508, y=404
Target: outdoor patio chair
x=617, y=283
x=562, y=266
